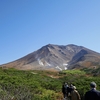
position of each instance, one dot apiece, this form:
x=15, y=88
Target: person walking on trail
x=70, y=88
x=64, y=90
x=92, y=94
x=74, y=94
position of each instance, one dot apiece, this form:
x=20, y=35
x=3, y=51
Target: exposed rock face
x=56, y=57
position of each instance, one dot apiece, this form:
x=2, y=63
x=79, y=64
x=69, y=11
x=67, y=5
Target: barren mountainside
x=56, y=57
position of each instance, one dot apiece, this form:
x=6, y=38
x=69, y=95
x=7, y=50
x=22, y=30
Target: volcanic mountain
x=57, y=57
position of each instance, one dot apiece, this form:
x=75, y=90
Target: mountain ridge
x=55, y=57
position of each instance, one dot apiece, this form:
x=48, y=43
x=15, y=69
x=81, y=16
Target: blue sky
x=27, y=25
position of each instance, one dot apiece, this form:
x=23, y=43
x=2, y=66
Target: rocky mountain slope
x=57, y=57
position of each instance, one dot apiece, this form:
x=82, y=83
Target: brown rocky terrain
x=57, y=57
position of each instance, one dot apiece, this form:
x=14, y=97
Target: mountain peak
x=56, y=57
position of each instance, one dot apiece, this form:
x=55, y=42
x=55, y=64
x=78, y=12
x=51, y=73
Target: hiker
x=64, y=89
x=69, y=89
x=92, y=94
x=74, y=94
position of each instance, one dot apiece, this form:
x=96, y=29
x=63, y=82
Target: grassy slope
x=43, y=85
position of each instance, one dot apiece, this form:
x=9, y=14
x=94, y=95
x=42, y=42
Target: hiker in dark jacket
x=69, y=89
x=92, y=94
x=64, y=89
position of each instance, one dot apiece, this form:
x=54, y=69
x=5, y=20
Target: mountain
x=56, y=57
x=85, y=58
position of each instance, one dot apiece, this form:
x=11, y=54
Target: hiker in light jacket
x=74, y=94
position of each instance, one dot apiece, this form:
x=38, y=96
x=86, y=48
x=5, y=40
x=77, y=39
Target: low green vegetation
x=43, y=85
